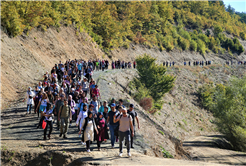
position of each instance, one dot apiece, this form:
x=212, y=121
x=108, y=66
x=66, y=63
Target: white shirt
x=29, y=100
x=81, y=117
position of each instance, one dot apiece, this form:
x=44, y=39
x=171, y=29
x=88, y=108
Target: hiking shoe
x=129, y=154
x=88, y=150
x=120, y=155
x=65, y=137
x=60, y=135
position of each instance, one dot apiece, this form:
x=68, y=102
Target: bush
x=230, y=111
x=228, y=106
x=217, y=30
x=193, y=45
x=204, y=38
x=184, y=34
x=243, y=35
x=201, y=46
x=183, y=43
x=208, y=33
x=146, y=103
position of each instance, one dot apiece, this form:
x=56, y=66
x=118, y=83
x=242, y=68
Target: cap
x=131, y=105
x=113, y=105
x=124, y=108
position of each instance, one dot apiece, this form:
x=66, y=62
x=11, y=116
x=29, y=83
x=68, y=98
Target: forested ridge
x=191, y=25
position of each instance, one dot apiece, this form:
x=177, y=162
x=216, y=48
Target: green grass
x=161, y=132
x=166, y=154
x=184, y=122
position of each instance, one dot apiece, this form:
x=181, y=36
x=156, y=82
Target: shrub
x=204, y=38
x=146, y=103
x=183, y=43
x=230, y=111
x=201, y=46
x=184, y=34
x=208, y=33
x=193, y=45
x=243, y=35
x=217, y=30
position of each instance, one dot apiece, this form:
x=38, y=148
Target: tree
x=153, y=76
x=214, y=1
x=230, y=9
x=217, y=30
x=230, y=110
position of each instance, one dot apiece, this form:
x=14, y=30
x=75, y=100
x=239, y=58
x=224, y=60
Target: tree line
x=190, y=25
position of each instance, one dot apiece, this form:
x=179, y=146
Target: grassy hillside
x=195, y=26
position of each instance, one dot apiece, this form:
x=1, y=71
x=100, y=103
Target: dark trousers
x=46, y=128
x=29, y=108
x=99, y=144
x=132, y=136
x=88, y=145
x=127, y=136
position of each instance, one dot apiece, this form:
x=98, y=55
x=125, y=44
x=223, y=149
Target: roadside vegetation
x=189, y=25
x=227, y=103
x=151, y=83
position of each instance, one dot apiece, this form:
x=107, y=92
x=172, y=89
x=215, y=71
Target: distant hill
x=191, y=25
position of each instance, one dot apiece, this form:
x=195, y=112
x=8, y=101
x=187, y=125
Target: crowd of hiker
x=201, y=63
x=69, y=94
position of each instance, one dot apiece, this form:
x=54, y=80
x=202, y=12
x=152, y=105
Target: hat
x=131, y=105
x=124, y=108
x=113, y=105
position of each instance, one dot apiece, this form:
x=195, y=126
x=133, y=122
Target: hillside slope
x=26, y=58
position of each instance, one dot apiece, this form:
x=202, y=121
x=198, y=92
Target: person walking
x=85, y=86
x=101, y=126
x=42, y=104
x=58, y=105
x=101, y=109
x=125, y=122
x=29, y=100
x=48, y=114
x=96, y=105
x=72, y=104
x=88, y=126
x=82, y=115
x=134, y=116
x=112, y=125
x=64, y=115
